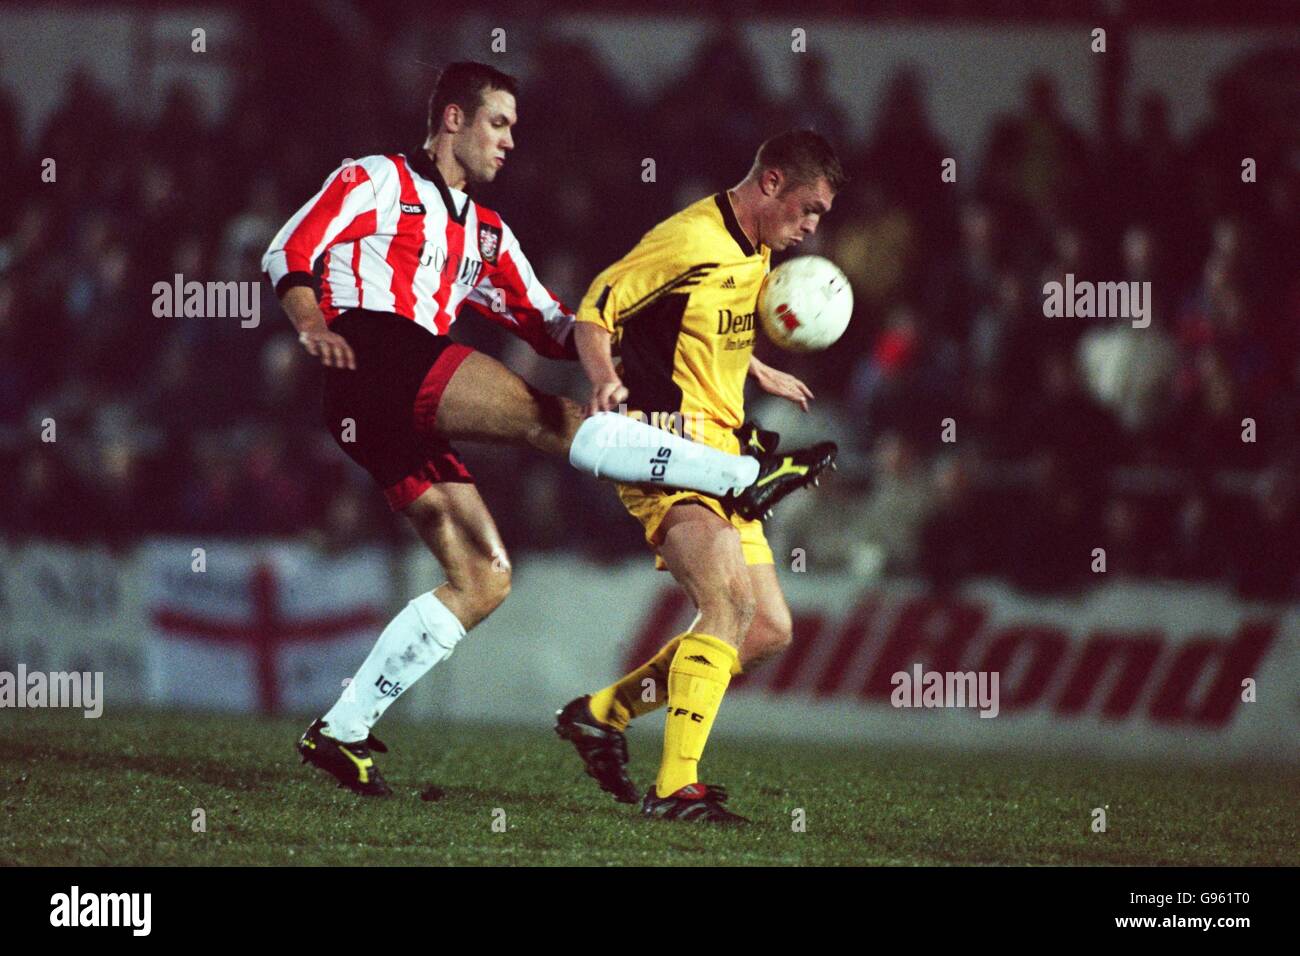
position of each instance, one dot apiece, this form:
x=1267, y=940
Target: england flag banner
x=266, y=627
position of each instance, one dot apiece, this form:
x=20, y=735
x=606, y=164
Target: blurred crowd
x=981, y=437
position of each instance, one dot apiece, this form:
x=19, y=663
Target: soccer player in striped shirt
x=404, y=249
x=679, y=310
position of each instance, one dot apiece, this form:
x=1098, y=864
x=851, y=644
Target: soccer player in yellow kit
x=679, y=312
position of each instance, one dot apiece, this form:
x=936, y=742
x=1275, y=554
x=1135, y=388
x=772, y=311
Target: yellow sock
x=697, y=679
x=630, y=696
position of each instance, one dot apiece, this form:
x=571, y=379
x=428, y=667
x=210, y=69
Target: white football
x=805, y=304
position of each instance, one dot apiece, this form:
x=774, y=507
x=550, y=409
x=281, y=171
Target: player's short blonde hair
x=803, y=156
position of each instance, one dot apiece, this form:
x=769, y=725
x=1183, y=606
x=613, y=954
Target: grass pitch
x=123, y=790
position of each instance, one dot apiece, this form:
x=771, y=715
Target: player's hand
x=606, y=396
x=331, y=348
x=781, y=384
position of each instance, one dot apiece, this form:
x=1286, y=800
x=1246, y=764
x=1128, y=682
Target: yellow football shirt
x=681, y=307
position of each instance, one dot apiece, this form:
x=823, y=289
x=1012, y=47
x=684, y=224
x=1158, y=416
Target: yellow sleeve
x=596, y=306
x=657, y=265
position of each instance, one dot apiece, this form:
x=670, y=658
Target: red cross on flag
x=268, y=628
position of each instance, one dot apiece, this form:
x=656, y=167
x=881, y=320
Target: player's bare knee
x=779, y=626
x=743, y=604
x=731, y=601
x=769, y=636
x=492, y=581
x=499, y=588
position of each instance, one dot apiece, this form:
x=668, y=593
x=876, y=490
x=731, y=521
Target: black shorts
x=382, y=412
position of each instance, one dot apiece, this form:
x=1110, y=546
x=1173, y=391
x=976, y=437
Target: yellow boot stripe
x=787, y=468
x=363, y=765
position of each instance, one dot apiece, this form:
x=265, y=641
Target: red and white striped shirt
x=397, y=238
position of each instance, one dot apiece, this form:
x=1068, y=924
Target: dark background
x=1072, y=433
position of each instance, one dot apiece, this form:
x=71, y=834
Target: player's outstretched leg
x=597, y=723
x=455, y=524
x=485, y=401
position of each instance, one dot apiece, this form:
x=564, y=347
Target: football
x=805, y=304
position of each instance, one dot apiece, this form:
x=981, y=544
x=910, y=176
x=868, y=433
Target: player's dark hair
x=464, y=83
x=803, y=157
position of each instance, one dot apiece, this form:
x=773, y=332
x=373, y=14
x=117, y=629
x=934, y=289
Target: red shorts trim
x=435, y=383
x=442, y=467
x=442, y=464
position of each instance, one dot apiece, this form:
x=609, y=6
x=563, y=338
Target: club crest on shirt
x=489, y=242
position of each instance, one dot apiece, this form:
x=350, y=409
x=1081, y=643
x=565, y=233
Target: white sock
x=423, y=634
x=618, y=448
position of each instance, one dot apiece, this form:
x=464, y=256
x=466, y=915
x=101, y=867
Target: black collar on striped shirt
x=427, y=168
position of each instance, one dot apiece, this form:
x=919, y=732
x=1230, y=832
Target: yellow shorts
x=650, y=506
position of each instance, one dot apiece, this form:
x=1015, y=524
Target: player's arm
x=304, y=312
x=343, y=211
x=595, y=352
x=658, y=264
x=512, y=296
x=596, y=319
x=780, y=384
